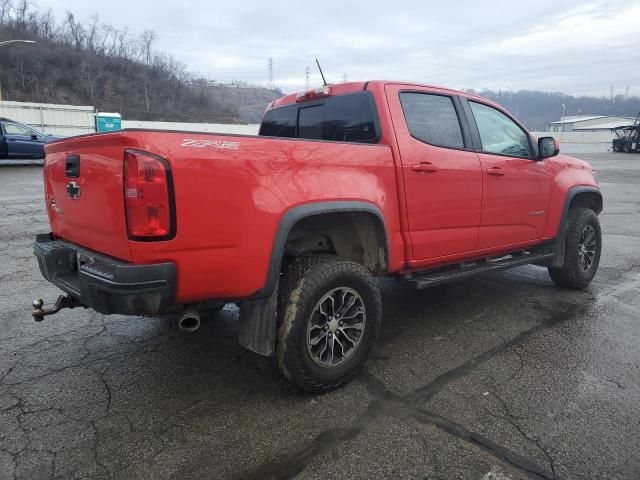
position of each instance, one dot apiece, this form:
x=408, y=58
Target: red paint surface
x=229, y=201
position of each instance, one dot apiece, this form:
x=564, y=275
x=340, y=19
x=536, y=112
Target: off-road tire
x=303, y=284
x=572, y=274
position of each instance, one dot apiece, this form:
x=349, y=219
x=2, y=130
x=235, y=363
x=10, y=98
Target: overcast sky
x=571, y=46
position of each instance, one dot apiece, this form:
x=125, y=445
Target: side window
x=432, y=119
x=498, y=133
x=13, y=129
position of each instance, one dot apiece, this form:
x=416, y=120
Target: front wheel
x=331, y=313
x=582, y=250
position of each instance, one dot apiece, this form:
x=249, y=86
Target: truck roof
x=350, y=87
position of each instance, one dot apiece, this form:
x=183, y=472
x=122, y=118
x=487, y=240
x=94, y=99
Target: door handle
x=495, y=171
x=424, y=167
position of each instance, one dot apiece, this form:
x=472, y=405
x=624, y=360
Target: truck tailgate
x=84, y=193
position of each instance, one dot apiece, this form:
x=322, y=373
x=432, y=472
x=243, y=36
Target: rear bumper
x=103, y=283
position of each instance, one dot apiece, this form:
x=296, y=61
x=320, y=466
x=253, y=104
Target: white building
x=592, y=123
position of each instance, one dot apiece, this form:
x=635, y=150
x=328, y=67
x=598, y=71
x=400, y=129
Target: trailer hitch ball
x=63, y=301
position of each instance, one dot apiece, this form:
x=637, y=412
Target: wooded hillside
x=112, y=69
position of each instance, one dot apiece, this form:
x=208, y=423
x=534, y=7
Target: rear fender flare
x=296, y=214
x=257, y=326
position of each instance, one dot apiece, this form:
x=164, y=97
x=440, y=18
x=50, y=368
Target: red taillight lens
x=314, y=94
x=148, y=196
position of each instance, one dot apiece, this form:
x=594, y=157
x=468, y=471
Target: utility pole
x=306, y=76
x=270, y=82
x=344, y=78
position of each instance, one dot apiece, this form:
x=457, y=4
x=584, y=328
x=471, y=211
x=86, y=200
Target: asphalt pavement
x=504, y=376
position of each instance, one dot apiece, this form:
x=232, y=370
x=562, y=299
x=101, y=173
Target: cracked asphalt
x=504, y=376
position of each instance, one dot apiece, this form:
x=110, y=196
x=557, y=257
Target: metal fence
x=64, y=120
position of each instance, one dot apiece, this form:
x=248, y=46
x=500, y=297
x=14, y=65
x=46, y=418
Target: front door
x=22, y=141
x=517, y=186
x=442, y=174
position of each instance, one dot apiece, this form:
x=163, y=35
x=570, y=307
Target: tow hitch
x=63, y=301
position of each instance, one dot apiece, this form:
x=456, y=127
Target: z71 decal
x=191, y=142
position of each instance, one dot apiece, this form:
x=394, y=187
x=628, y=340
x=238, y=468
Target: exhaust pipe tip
x=189, y=321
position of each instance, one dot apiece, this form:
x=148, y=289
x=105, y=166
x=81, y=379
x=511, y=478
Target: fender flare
x=560, y=245
x=257, y=325
x=294, y=215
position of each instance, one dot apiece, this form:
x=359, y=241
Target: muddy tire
x=582, y=250
x=330, y=311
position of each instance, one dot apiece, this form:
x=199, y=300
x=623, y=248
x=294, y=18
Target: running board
x=469, y=269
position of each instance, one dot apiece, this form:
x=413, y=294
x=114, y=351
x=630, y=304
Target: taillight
x=148, y=196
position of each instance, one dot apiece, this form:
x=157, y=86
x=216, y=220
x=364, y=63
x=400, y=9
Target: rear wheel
x=617, y=147
x=331, y=313
x=582, y=250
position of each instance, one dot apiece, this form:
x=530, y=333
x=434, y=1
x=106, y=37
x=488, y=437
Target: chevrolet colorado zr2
x=343, y=183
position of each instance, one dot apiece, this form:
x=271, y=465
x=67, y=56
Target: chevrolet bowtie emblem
x=73, y=189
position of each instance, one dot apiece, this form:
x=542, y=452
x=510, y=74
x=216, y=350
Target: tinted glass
x=432, y=119
x=345, y=118
x=498, y=133
x=279, y=122
x=310, y=122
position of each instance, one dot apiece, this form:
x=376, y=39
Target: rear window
x=345, y=118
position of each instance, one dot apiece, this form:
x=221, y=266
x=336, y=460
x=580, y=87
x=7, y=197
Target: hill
x=537, y=109
x=101, y=65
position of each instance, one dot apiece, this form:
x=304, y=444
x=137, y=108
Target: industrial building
x=591, y=123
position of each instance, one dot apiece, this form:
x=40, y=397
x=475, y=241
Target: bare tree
x=148, y=37
x=21, y=9
x=92, y=32
x=75, y=30
x=6, y=7
x=90, y=74
x=47, y=27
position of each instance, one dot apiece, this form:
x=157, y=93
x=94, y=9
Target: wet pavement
x=500, y=377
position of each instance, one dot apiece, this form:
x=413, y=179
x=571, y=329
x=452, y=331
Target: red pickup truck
x=342, y=184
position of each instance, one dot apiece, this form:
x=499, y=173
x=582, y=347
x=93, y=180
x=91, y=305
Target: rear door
x=517, y=185
x=442, y=173
x=22, y=141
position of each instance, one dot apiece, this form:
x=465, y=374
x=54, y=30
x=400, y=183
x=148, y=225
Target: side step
x=459, y=271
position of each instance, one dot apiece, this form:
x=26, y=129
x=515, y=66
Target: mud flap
x=257, y=329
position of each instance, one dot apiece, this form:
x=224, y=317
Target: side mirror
x=34, y=136
x=548, y=147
